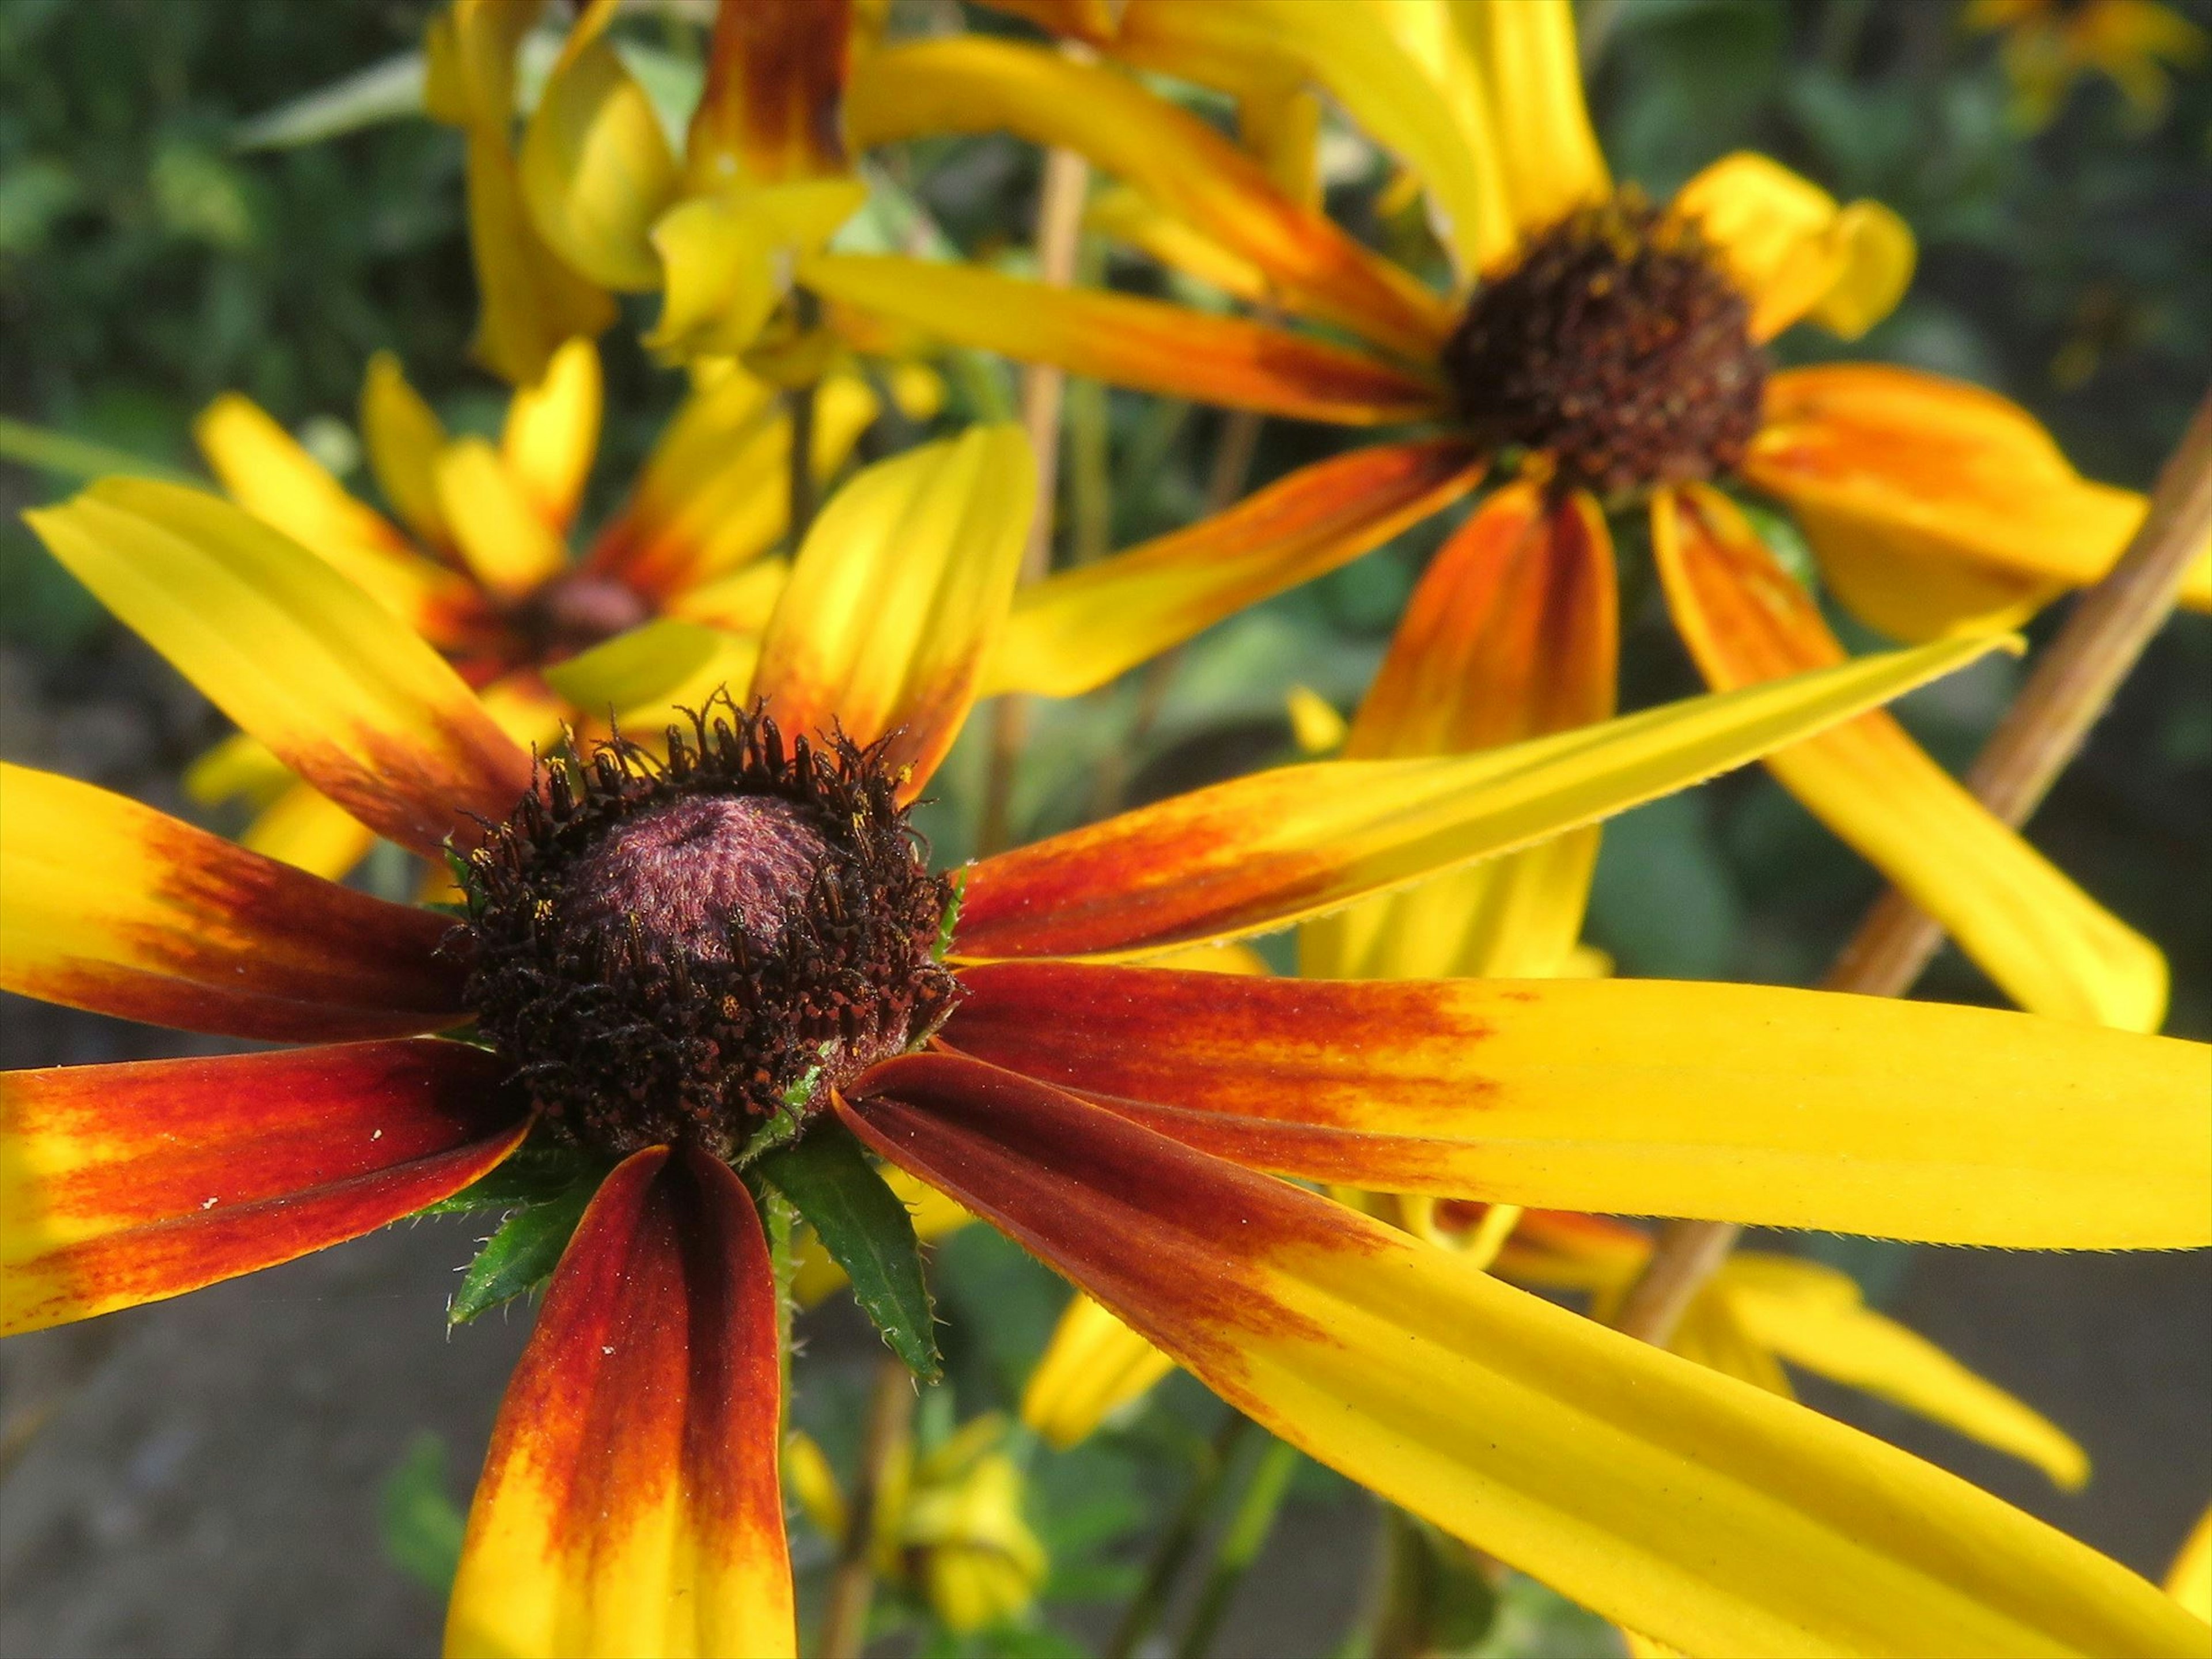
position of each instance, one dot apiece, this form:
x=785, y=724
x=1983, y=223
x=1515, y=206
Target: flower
x=1606, y=349
x=2049, y=45
x=652, y=948
x=478, y=562
x=949, y=1525
x=595, y=201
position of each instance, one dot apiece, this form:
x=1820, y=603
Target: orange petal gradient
x=1732, y=1102
x=1144, y=344
x=770, y=110
x=1514, y=633
x=124, y=1184
x=1073, y=632
x=1942, y=476
x=2050, y=947
x=1659, y=1494
x=113, y=907
x=630, y=1503
x=968, y=83
x=1277, y=846
x=342, y=691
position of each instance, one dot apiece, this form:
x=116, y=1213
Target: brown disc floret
x=1618, y=348
x=699, y=949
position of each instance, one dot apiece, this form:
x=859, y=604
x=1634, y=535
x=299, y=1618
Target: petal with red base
x=1656, y=1493
x=124, y=1184
x=1732, y=1102
x=968, y=83
x=1895, y=473
x=343, y=692
x=1073, y=632
x=1144, y=344
x=1278, y=847
x=114, y=906
x=629, y=1503
x=899, y=595
x=771, y=109
x=2048, y=945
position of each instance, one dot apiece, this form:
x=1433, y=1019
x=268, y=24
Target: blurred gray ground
x=201, y=1477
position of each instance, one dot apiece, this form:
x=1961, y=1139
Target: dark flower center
x=1617, y=348
x=574, y=612
x=699, y=949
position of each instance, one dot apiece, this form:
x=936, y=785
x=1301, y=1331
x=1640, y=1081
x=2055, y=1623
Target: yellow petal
x=728, y=258
x=2189, y=1580
x=1126, y=214
x=807, y=1473
x=1250, y=855
x=403, y=436
x=644, y=677
x=337, y=687
x=1093, y=1367
x=968, y=83
x=239, y=768
x=899, y=595
x=1654, y=1493
x=740, y=602
x=1829, y=1331
x=1533, y=71
x=509, y=547
x=1125, y=341
x=1073, y=632
x=1861, y=1115
x=1794, y=251
x=552, y=430
x=596, y=169
x=2050, y=947
x=1316, y=727
x=266, y=472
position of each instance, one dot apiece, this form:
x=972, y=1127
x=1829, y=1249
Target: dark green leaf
x=418, y=1522
x=864, y=1227
x=522, y=1254
x=534, y=1175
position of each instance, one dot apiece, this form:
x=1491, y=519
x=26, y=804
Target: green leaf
x=418, y=1522
x=535, y=1173
x=867, y=1229
x=949, y=924
x=522, y=1254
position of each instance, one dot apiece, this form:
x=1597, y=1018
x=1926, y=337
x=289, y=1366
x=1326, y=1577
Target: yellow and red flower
x=2049, y=44
x=1112, y=1119
x=1607, y=350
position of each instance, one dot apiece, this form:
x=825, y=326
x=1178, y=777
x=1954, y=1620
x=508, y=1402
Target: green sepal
x=864, y=1227
x=949, y=924
x=523, y=1253
x=534, y=1174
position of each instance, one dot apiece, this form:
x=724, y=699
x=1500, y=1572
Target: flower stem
x=1175, y=1545
x=799, y=404
x=852, y=1581
x=2070, y=687
x=1059, y=224
x=1240, y=1546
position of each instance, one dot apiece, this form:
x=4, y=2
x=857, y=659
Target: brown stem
x=1059, y=224
x=2072, y=686
x=852, y=1581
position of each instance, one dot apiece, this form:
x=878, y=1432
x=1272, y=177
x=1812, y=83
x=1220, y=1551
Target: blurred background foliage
x=148, y=262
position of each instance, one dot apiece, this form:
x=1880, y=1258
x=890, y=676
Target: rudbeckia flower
x=2049, y=44
x=662, y=962
x=478, y=562
x=1607, y=350
x=595, y=201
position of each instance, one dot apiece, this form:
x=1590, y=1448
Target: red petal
x=123, y=1184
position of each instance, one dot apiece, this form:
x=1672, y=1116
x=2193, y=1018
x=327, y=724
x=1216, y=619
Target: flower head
x=1114, y=1120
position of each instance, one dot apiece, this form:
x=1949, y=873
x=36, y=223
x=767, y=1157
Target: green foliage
x=866, y=1231
x=521, y=1256
x=418, y=1523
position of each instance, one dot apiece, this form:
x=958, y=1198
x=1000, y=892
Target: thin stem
x=799, y=404
x=852, y=1581
x=1175, y=1545
x=2072, y=686
x=1240, y=1546
x=1060, y=223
